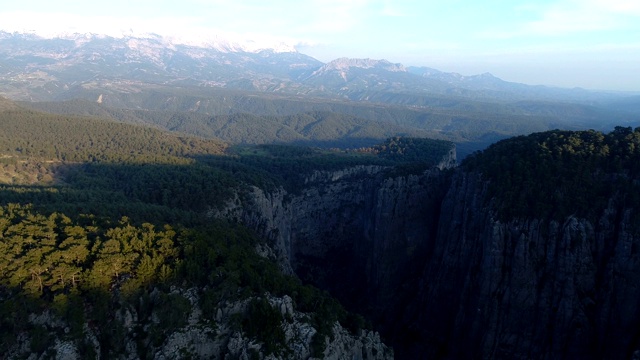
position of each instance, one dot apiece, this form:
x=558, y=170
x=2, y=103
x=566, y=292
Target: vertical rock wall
x=425, y=258
x=527, y=288
x=360, y=233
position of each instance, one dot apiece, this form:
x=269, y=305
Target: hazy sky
x=585, y=43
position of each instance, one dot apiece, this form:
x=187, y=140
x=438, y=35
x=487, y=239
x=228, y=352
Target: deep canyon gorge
x=429, y=261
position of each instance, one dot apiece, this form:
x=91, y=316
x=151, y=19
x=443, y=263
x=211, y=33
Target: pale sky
x=594, y=44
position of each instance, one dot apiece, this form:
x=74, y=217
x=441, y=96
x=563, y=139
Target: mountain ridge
x=220, y=61
x=217, y=42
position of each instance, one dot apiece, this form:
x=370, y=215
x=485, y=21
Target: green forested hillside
x=551, y=174
x=79, y=139
x=246, y=117
x=323, y=127
x=260, y=118
x=452, y=113
x=92, y=165
x=63, y=265
x=413, y=150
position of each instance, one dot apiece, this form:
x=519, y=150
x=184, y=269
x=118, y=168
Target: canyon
x=428, y=261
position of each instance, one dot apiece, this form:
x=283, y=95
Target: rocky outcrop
x=345, y=346
x=449, y=160
x=204, y=336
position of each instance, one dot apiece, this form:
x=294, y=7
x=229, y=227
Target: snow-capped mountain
x=212, y=41
x=344, y=64
x=41, y=68
x=35, y=66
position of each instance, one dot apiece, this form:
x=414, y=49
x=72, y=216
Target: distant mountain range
x=38, y=68
x=218, y=77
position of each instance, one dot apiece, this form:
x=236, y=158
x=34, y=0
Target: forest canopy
x=556, y=173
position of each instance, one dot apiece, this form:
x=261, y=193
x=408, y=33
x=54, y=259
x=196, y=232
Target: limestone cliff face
x=527, y=288
x=374, y=226
x=362, y=233
x=428, y=261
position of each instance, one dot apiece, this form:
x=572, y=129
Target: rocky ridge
x=203, y=337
